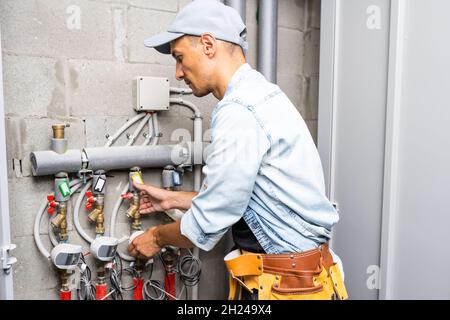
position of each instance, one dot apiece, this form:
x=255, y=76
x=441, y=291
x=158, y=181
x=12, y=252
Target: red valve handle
x=50, y=197
x=88, y=194
x=91, y=200
x=127, y=195
x=50, y=211
x=89, y=206
x=53, y=204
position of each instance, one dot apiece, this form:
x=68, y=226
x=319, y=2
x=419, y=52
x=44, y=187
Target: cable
x=86, y=291
x=189, y=277
x=158, y=291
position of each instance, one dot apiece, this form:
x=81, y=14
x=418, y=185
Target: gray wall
x=54, y=72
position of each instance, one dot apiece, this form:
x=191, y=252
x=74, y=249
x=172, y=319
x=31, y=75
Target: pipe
x=101, y=158
x=136, y=156
x=188, y=104
x=268, y=37
x=122, y=129
x=180, y=90
x=150, y=133
x=37, y=221
x=198, y=138
x=139, y=129
x=239, y=6
x=118, y=203
x=49, y=162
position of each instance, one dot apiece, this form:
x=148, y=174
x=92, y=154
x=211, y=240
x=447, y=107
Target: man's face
x=191, y=65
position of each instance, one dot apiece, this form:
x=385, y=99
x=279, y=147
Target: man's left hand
x=145, y=245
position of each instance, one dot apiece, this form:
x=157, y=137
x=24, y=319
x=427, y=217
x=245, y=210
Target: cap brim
x=161, y=42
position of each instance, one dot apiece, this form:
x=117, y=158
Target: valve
x=90, y=200
x=127, y=196
x=52, y=204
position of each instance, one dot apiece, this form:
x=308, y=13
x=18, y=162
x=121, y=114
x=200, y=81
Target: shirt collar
x=237, y=77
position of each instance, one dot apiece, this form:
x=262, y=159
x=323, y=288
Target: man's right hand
x=153, y=199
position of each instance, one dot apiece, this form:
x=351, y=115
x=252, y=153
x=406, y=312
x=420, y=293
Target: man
x=263, y=175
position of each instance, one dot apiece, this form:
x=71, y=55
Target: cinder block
x=292, y=14
x=312, y=126
x=32, y=272
x=141, y=25
x=290, y=51
x=311, y=97
x=312, y=53
x=314, y=10
x=25, y=135
x=25, y=198
x=292, y=86
x=166, y=5
x=65, y=28
x=106, y=88
x=33, y=86
x=169, y=5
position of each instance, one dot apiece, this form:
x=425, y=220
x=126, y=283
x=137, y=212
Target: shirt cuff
x=190, y=228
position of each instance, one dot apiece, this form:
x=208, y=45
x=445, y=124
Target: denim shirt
x=262, y=165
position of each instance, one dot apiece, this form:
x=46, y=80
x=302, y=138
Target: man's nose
x=179, y=74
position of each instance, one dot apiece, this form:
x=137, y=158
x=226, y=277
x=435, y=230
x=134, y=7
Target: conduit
x=267, y=39
x=75, y=185
x=198, y=142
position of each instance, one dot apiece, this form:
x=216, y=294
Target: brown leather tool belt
x=298, y=269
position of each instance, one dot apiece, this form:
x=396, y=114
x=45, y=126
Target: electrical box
x=152, y=94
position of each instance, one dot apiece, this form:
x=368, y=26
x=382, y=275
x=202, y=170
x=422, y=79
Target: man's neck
x=225, y=77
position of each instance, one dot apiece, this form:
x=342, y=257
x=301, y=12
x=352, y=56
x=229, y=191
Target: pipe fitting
x=60, y=221
x=59, y=130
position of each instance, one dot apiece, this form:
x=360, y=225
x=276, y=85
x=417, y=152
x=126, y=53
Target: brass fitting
x=133, y=212
x=64, y=280
x=58, y=131
x=98, y=216
x=60, y=221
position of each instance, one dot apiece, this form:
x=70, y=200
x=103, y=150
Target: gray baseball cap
x=202, y=16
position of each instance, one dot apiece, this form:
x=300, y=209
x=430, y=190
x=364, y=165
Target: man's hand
x=145, y=245
x=153, y=199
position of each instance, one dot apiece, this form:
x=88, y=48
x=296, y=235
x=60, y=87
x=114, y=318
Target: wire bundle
x=86, y=290
x=189, y=269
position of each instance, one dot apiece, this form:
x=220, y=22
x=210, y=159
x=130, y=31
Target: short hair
x=228, y=45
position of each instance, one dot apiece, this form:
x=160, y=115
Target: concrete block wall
x=73, y=61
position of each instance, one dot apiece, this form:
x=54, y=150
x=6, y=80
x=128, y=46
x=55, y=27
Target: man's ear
x=209, y=44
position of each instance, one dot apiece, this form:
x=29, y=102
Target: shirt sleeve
x=232, y=163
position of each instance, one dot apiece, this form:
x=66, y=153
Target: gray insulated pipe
x=268, y=38
x=50, y=162
x=138, y=156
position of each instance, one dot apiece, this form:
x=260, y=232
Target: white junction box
x=152, y=94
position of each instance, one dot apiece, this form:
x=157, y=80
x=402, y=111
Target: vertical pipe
x=198, y=133
x=6, y=278
x=240, y=7
x=267, y=39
